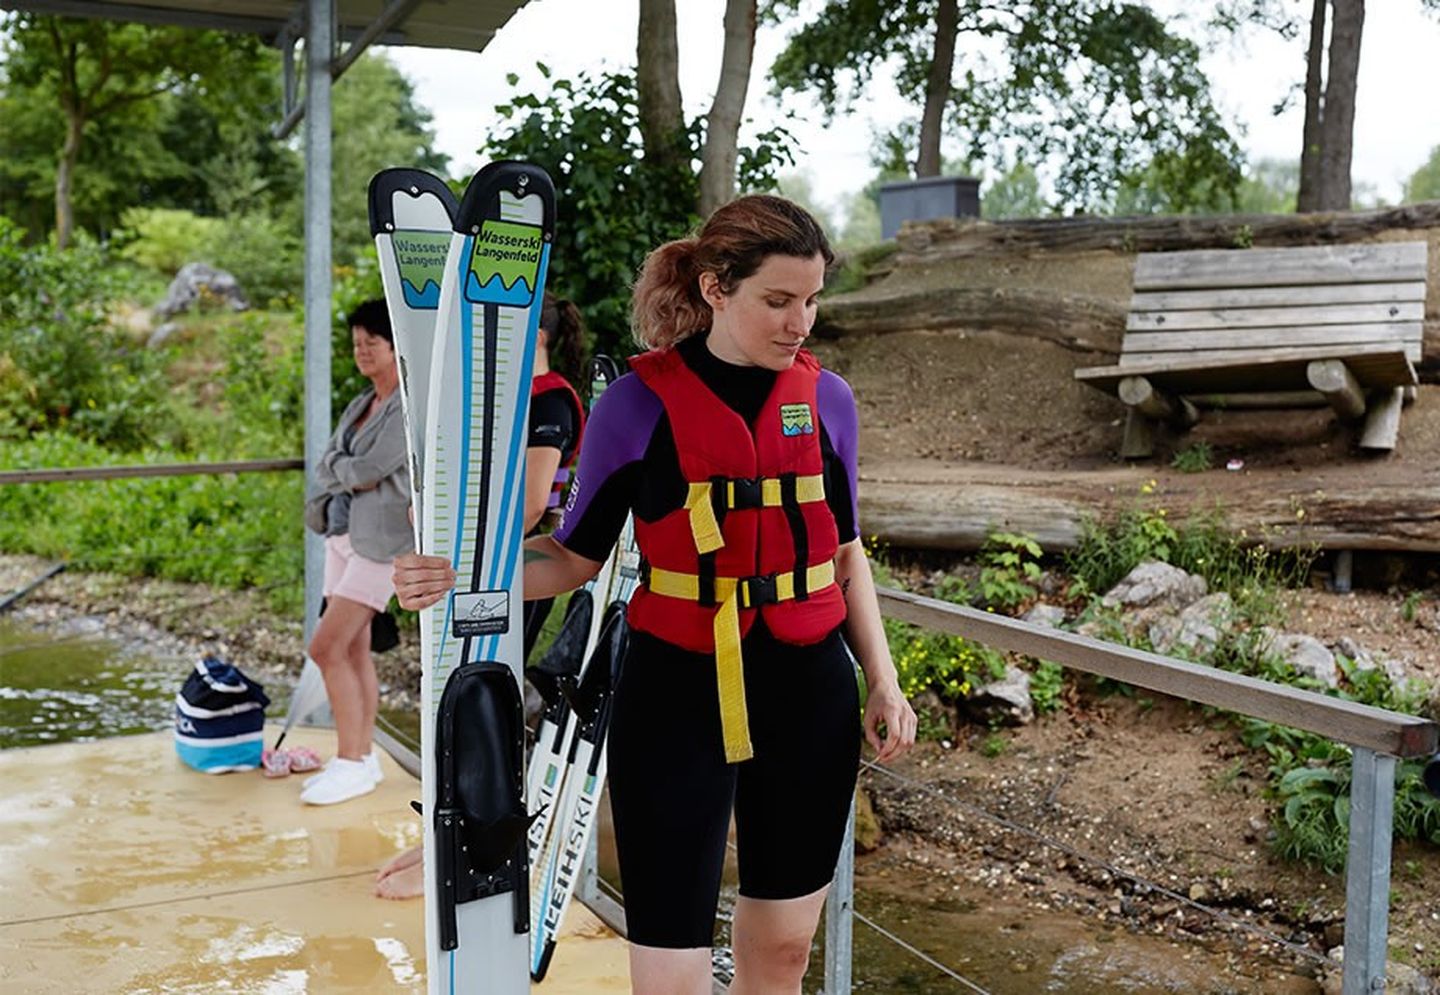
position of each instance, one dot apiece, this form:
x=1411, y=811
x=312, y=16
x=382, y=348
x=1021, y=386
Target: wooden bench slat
x=1272, y=317
x=1240, y=371
x=1329, y=264
x=1302, y=295
x=1137, y=343
x=1194, y=358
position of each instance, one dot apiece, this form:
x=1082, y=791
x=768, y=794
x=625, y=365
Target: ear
x=711, y=292
x=542, y=340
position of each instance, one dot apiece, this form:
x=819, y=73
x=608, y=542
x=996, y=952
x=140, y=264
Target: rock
x=1197, y=628
x=158, y=337
x=1198, y=893
x=1153, y=583
x=1006, y=701
x=1365, y=660
x=1308, y=655
x=1050, y=616
x=869, y=834
x=1400, y=979
x=201, y=283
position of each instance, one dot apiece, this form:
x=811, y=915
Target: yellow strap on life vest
x=729, y=665
x=705, y=528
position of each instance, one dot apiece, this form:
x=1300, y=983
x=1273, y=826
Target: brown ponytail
x=667, y=308
x=565, y=336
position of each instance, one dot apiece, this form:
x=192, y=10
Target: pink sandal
x=276, y=763
x=303, y=760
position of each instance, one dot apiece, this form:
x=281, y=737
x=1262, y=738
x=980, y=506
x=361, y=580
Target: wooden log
x=1333, y=379
x=1382, y=424
x=1262, y=400
x=952, y=237
x=1073, y=321
x=1143, y=396
x=932, y=504
x=1138, y=442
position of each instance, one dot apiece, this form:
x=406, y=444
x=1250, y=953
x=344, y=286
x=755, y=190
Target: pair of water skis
x=464, y=282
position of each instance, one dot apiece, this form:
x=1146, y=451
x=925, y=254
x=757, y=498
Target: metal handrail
x=147, y=470
x=1391, y=733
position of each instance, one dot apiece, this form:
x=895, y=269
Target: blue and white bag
x=220, y=719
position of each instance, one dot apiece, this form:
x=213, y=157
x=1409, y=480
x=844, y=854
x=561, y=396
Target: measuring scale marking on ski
x=477, y=906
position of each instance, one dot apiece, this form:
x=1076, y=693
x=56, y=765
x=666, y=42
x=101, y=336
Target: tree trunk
x=717, y=172
x=658, y=76
x=1308, y=198
x=1337, y=126
x=64, y=171
x=937, y=90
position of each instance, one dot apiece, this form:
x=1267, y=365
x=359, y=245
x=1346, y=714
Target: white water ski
x=476, y=906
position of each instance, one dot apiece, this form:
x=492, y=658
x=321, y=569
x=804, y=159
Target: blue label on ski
x=480, y=613
x=420, y=258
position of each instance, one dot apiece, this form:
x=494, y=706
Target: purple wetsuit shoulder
x=616, y=434
x=836, y=402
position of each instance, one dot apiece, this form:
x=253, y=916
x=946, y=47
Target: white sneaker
x=344, y=780
x=372, y=763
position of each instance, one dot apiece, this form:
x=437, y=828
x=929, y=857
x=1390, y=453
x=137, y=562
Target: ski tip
x=412, y=182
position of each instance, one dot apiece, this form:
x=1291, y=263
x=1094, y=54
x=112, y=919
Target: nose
x=798, y=320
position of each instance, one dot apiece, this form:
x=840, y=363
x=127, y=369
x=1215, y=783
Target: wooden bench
x=1280, y=328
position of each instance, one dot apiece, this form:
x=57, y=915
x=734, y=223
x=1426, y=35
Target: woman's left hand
x=887, y=706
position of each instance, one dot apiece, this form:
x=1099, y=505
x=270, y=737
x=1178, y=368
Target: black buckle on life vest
x=757, y=591
x=748, y=492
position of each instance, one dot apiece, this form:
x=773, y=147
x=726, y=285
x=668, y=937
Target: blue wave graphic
x=425, y=299
x=494, y=291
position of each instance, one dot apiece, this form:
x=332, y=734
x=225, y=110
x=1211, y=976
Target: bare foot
x=407, y=882
x=399, y=862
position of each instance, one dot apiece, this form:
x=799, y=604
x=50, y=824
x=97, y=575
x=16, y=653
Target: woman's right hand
x=420, y=581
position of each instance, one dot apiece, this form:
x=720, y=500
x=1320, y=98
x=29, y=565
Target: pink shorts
x=350, y=575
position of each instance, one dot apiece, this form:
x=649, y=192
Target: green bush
x=165, y=239
x=1009, y=564
x=263, y=254
x=61, y=366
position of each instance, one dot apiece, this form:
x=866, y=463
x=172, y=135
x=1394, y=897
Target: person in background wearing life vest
x=557, y=424
x=736, y=454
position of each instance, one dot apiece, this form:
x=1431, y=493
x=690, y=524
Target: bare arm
x=865, y=631
x=541, y=465
x=550, y=569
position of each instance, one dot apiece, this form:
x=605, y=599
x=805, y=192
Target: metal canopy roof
x=462, y=24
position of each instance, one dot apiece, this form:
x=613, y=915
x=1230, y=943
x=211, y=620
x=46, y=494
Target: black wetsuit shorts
x=672, y=792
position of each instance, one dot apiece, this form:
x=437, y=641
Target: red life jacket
x=554, y=381
x=762, y=485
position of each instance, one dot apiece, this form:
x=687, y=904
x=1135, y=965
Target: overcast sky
x=1397, y=116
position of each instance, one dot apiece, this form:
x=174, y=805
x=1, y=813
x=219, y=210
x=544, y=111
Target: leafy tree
x=615, y=202
x=1015, y=193
x=99, y=75
x=1100, y=88
x=377, y=123
x=1424, y=183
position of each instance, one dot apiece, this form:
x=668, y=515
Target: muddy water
x=82, y=686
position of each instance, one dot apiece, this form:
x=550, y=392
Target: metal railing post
x=1367, y=872
x=840, y=915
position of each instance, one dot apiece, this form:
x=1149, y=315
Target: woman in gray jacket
x=361, y=502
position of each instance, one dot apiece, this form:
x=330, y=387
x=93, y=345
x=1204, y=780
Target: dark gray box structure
x=932, y=197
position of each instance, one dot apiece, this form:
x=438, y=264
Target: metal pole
x=1367, y=872
x=588, y=887
x=319, y=47
x=840, y=915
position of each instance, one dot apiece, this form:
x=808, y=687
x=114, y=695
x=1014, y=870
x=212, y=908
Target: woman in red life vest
x=735, y=452
x=557, y=423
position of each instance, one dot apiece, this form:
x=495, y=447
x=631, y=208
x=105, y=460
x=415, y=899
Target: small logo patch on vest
x=795, y=419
